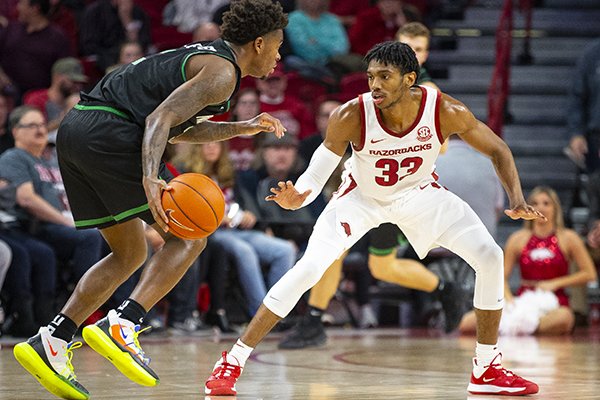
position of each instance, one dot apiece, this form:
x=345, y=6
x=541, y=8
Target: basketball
x=195, y=206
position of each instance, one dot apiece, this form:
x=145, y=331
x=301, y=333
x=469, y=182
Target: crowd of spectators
x=52, y=49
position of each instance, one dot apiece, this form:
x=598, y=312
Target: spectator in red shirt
x=347, y=10
x=292, y=113
x=377, y=24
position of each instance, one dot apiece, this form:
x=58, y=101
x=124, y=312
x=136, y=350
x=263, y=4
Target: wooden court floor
x=371, y=364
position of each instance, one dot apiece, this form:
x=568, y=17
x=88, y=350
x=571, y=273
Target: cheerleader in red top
x=543, y=251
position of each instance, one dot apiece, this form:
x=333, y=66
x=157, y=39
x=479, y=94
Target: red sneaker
x=500, y=381
x=223, y=378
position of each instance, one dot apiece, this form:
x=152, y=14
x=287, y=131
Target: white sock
x=485, y=354
x=241, y=352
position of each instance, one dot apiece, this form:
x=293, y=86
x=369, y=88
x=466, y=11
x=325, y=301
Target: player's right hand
x=286, y=195
x=154, y=188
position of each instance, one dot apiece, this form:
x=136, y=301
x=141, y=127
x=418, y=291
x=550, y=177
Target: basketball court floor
x=354, y=364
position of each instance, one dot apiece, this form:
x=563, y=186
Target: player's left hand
x=286, y=195
x=264, y=122
x=524, y=211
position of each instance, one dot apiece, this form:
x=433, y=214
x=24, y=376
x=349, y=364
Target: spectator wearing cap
x=30, y=46
x=278, y=160
x=67, y=79
x=42, y=206
x=290, y=110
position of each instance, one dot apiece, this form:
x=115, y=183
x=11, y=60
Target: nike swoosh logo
x=488, y=379
x=123, y=334
x=273, y=298
x=423, y=186
x=54, y=353
x=177, y=223
x=377, y=140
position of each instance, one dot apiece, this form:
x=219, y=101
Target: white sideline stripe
x=492, y=388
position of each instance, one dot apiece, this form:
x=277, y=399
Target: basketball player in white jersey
x=396, y=132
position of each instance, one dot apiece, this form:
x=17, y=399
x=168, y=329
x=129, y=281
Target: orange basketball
x=195, y=206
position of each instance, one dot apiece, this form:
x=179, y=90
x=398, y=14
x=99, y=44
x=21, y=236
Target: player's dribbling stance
x=396, y=132
x=110, y=149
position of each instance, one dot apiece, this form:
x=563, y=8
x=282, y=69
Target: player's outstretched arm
x=208, y=131
x=455, y=117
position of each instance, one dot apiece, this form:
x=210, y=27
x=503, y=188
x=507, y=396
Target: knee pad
x=489, y=279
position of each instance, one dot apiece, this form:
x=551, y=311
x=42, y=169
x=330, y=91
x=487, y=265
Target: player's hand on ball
x=154, y=188
x=524, y=211
x=264, y=122
x=286, y=195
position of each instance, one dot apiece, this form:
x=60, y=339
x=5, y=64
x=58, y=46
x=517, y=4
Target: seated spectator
x=316, y=37
x=106, y=24
x=417, y=36
x=544, y=251
x=242, y=148
x=31, y=279
x=376, y=24
x=128, y=52
x=249, y=247
x=206, y=32
x=67, y=79
x=279, y=161
x=309, y=144
x=290, y=110
x=42, y=204
x=30, y=46
x=187, y=15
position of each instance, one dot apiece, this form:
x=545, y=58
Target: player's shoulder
x=449, y=106
x=347, y=113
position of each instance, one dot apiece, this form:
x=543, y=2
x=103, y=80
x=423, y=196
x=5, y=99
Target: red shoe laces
x=226, y=369
x=499, y=367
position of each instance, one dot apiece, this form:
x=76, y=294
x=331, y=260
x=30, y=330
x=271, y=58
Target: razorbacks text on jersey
x=386, y=163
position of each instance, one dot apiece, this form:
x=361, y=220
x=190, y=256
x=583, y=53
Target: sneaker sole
x=497, y=390
x=53, y=382
x=122, y=360
x=220, y=391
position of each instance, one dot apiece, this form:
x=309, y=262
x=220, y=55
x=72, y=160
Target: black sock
x=62, y=327
x=315, y=314
x=440, y=286
x=131, y=310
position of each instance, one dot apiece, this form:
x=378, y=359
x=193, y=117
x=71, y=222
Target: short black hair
x=248, y=19
x=396, y=54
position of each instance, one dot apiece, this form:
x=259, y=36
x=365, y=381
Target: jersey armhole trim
x=438, y=130
x=363, y=124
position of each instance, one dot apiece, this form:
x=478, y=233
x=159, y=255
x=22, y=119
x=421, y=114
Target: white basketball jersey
x=386, y=163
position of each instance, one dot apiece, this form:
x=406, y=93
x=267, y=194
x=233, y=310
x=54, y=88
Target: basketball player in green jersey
x=109, y=148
